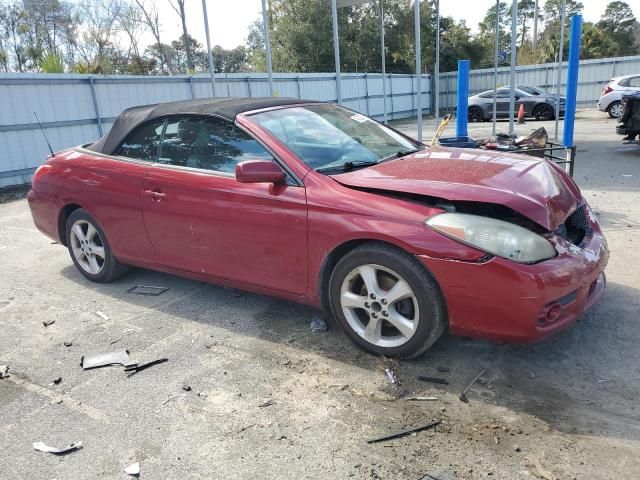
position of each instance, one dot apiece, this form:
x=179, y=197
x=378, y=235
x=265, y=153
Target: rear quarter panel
x=110, y=189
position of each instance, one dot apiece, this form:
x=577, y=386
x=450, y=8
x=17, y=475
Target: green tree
x=620, y=25
x=596, y=43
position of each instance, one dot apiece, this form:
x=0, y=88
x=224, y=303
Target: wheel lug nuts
x=383, y=301
x=373, y=296
x=385, y=314
x=374, y=315
x=366, y=304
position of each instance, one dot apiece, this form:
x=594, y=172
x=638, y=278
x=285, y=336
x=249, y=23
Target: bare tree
x=130, y=23
x=150, y=18
x=100, y=24
x=185, y=36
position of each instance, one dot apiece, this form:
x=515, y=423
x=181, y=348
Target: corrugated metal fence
x=592, y=76
x=76, y=109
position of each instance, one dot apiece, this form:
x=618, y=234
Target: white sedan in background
x=611, y=98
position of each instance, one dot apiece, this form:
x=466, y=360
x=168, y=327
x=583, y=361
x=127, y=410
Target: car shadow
x=583, y=380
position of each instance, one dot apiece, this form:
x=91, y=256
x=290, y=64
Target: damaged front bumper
x=502, y=300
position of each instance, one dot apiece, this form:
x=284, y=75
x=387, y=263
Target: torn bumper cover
x=502, y=300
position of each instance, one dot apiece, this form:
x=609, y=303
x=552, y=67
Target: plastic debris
x=422, y=399
x=318, y=324
x=57, y=381
x=106, y=359
x=40, y=446
x=133, y=369
x=391, y=377
x=102, y=315
x=147, y=290
x=186, y=388
x=133, y=469
x=407, y=431
x=46, y=323
x=4, y=371
x=68, y=344
x=266, y=403
x=441, y=381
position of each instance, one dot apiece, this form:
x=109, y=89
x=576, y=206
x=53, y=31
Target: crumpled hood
x=528, y=185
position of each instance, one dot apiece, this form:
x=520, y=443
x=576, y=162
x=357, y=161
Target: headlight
x=500, y=238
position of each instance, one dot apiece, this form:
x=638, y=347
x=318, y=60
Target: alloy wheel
x=87, y=246
x=616, y=110
x=379, y=305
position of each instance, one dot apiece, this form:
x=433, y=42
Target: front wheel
x=475, y=114
x=386, y=301
x=90, y=250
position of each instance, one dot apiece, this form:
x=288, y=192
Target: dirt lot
x=269, y=399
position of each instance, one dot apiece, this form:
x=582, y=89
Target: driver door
x=200, y=219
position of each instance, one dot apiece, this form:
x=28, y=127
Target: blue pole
x=463, y=98
x=572, y=80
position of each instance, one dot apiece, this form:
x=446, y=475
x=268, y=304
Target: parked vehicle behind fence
x=611, y=98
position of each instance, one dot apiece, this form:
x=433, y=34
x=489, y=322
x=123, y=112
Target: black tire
x=432, y=315
x=544, y=112
x=110, y=267
x=614, y=109
x=475, y=114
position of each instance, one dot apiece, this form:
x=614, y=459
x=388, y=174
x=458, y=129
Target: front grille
x=576, y=227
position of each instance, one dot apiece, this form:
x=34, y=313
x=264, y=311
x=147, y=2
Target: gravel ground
x=270, y=400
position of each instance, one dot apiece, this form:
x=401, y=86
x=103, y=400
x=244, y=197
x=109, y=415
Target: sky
x=229, y=20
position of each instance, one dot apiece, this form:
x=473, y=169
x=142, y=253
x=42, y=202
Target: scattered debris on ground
x=48, y=323
x=266, y=403
x=186, y=388
x=107, y=359
x=42, y=447
x=443, y=369
x=4, y=371
x=67, y=344
x=391, y=377
x=133, y=469
x=441, y=381
x=318, y=324
x=133, y=369
x=463, y=393
x=421, y=399
x=102, y=315
x=407, y=431
x=147, y=290
x=57, y=381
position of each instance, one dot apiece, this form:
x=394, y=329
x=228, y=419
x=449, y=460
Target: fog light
x=553, y=313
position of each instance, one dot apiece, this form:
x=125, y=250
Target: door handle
x=156, y=195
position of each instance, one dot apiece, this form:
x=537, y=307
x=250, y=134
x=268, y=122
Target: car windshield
x=329, y=137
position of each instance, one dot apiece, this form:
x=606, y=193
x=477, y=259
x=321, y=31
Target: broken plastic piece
x=133, y=469
x=40, y=446
x=318, y=324
x=147, y=290
x=106, y=359
x=422, y=399
x=391, y=378
x=48, y=322
x=102, y=315
x=402, y=433
x=137, y=368
x=4, y=371
x=441, y=381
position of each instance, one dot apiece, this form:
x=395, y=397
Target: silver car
x=611, y=99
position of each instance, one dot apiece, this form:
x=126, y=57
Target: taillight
x=40, y=172
x=607, y=89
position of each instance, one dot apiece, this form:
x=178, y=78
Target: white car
x=611, y=99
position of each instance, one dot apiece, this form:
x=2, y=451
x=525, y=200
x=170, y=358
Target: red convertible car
x=317, y=204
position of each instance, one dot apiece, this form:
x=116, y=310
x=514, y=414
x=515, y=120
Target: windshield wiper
x=347, y=166
x=402, y=153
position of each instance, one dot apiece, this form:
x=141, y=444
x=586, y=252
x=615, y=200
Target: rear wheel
x=615, y=110
x=543, y=112
x=90, y=250
x=386, y=301
x=475, y=114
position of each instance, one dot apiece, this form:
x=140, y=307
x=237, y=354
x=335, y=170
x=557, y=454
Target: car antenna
x=44, y=134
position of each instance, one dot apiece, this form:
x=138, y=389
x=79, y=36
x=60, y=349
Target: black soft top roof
x=224, y=107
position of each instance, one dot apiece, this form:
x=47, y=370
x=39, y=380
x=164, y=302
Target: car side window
x=208, y=143
x=503, y=94
x=143, y=142
x=634, y=82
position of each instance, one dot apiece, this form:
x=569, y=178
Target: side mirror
x=259, y=171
